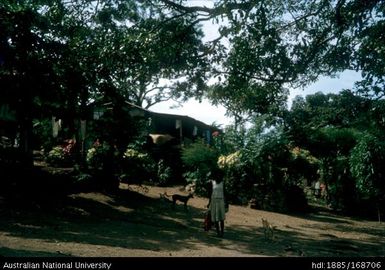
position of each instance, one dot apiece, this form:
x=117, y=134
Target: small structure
x=162, y=127
x=166, y=134
x=184, y=128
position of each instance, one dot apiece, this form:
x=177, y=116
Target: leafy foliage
x=57, y=156
x=137, y=166
x=262, y=169
x=366, y=163
x=164, y=173
x=199, y=156
x=98, y=156
x=343, y=132
x=199, y=159
x=58, y=56
x=273, y=44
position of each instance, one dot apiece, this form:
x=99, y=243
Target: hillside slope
x=137, y=222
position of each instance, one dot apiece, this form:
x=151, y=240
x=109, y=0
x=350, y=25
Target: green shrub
x=200, y=156
x=98, y=156
x=199, y=159
x=137, y=166
x=367, y=167
x=57, y=157
x=164, y=173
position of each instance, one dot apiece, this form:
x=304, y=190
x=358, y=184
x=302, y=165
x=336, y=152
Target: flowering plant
x=230, y=160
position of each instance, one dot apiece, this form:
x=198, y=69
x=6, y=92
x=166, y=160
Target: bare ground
x=136, y=222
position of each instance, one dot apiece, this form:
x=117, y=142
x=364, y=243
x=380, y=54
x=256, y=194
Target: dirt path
x=136, y=222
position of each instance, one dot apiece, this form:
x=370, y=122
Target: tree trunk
x=24, y=118
x=379, y=213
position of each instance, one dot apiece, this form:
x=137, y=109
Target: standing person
x=217, y=202
x=317, y=189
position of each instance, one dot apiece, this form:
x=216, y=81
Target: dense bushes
x=367, y=167
x=199, y=159
x=255, y=167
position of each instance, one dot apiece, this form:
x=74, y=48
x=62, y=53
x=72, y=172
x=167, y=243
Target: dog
x=268, y=229
x=178, y=197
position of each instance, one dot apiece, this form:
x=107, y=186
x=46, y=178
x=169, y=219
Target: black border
x=212, y=263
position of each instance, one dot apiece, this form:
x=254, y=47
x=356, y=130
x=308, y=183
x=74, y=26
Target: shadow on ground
x=131, y=220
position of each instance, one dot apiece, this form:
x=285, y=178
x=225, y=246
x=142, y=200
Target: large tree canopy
x=57, y=56
x=274, y=45
x=151, y=51
x=89, y=49
x=66, y=53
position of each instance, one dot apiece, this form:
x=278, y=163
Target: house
x=162, y=127
x=183, y=128
x=166, y=133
